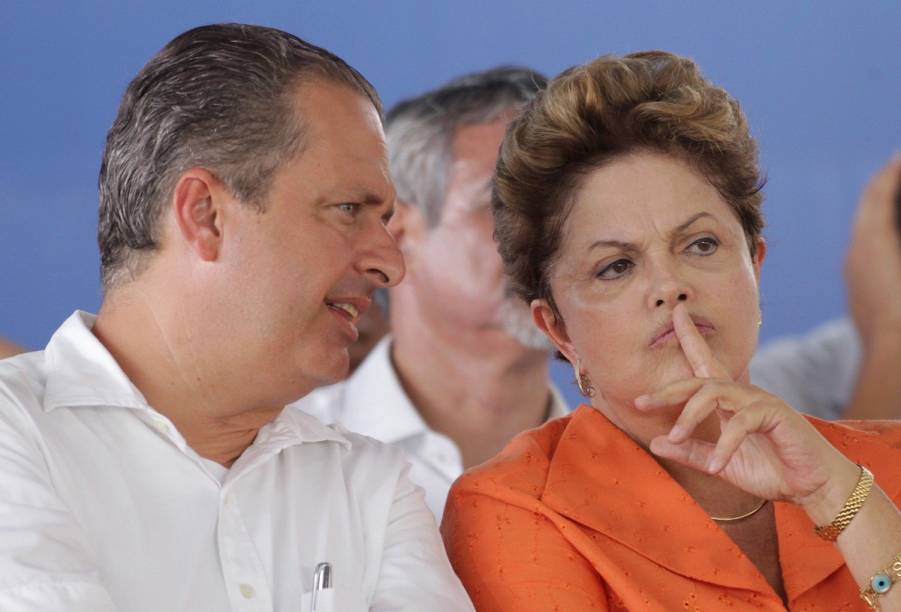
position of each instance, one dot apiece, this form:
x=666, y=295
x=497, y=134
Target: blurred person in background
x=851, y=368
x=464, y=368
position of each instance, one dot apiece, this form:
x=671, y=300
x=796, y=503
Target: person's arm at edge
x=873, y=277
x=877, y=392
x=511, y=558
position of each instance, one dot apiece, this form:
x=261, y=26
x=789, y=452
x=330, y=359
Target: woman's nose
x=668, y=288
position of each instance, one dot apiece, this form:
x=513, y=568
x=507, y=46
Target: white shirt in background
x=815, y=373
x=103, y=505
x=373, y=402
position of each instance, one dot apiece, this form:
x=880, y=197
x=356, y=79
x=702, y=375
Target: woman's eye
x=615, y=269
x=704, y=246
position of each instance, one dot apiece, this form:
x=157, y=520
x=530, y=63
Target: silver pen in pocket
x=322, y=579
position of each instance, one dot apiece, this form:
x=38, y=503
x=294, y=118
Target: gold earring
x=583, y=382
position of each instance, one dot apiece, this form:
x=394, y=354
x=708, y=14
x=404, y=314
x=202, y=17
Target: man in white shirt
x=147, y=462
x=851, y=368
x=464, y=368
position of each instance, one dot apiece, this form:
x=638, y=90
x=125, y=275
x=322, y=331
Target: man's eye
x=349, y=207
x=615, y=269
x=704, y=246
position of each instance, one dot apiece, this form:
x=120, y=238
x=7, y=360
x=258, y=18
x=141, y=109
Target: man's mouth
x=349, y=310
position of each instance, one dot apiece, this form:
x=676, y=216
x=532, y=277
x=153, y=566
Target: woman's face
x=645, y=232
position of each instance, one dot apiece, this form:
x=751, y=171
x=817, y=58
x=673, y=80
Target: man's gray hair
x=218, y=97
x=420, y=130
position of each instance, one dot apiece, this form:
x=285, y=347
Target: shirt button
x=247, y=591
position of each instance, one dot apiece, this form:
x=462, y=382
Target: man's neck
x=480, y=388
x=156, y=352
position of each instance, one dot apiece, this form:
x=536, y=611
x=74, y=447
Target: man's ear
x=408, y=226
x=196, y=204
x=554, y=328
x=759, y=256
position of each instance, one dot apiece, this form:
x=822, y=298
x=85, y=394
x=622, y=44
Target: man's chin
x=330, y=370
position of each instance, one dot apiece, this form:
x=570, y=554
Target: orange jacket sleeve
x=511, y=558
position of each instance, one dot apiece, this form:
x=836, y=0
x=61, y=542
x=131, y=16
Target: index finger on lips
x=675, y=393
x=695, y=348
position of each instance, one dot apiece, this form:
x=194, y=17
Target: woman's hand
x=765, y=447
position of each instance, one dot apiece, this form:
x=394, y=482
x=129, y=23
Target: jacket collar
x=602, y=479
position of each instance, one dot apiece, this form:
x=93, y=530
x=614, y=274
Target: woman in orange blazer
x=627, y=210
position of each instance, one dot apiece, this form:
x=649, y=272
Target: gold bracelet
x=880, y=583
x=852, y=505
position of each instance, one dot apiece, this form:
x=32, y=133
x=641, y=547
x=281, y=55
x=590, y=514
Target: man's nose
x=381, y=262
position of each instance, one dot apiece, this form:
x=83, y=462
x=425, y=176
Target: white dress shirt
x=373, y=402
x=103, y=505
x=815, y=373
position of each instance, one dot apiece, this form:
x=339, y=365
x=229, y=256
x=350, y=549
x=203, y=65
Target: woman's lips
x=666, y=332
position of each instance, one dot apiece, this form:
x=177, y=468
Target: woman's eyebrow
x=684, y=226
x=619, y=244
x=631, y=246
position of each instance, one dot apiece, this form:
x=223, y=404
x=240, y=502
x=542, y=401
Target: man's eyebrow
x=368, y=197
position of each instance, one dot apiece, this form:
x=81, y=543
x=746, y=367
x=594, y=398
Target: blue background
x=819, y=82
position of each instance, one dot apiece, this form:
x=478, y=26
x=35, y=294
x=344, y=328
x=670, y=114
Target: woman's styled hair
x=592, y=114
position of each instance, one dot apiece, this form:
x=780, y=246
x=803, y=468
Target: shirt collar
x=81, y=372
x=296, y=426
x=375, y=401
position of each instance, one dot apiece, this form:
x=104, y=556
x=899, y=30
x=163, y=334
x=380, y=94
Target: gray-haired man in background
x=464, y=368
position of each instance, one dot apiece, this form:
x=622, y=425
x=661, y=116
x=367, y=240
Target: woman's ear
x=553, y=326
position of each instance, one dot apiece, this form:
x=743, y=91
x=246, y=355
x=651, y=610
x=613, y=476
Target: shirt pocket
x=334, y=600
